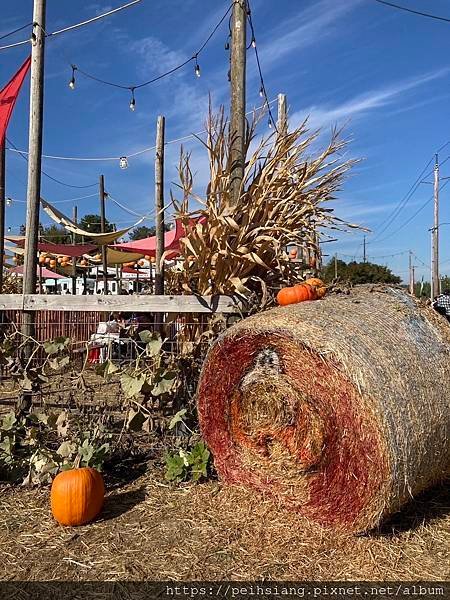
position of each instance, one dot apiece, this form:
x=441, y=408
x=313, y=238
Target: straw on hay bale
x=339, y=408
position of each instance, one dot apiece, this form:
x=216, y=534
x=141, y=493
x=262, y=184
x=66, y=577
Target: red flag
x=8, y=97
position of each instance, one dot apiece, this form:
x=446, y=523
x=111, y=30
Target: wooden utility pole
x=282, y=124
x=335, y=266
x=237, y=118
x=103, y=229
x=435, y=233
x=2, y=212
x=159, y=206
x=411, y=275
x=34, y=158
x=413, y=280
x=364, y=250
x=74, y=259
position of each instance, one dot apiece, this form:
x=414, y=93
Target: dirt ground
x=149, y=530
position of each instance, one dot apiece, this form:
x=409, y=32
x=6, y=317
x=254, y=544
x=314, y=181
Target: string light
x=133, y=100
x=262, y=89
x=8, y=201
x=123, y=162
x=197, y=67
x=194, y=57
x=72, y=81
x=9, y=229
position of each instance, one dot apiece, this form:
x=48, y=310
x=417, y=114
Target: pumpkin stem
x=76, y=464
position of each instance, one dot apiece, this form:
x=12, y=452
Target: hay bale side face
x=339, y=408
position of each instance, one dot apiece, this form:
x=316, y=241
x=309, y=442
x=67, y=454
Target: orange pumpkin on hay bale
x=327, y=406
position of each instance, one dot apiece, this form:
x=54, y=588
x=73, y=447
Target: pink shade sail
x=147, y=246
x=46, y=273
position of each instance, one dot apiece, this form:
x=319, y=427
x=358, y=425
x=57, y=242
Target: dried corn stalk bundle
x=240, y=246
x=338, y=408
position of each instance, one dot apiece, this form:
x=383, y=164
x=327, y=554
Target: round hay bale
x=338, y=408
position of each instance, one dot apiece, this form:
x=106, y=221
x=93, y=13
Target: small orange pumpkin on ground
x=77, y=496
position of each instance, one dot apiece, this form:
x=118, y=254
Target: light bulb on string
x=8, y=201
x=9, y=229
x=270, y=124
x=253, y=42
x=72, y=81
x=123, y=162
x=132, y=101
x=261, y=92
x=197, y=67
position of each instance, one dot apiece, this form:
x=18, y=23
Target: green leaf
x=177, y=418
x=165, y=384
x=66, y=449
x=175, y=468
x=8, y=421
x=131, y=386
x=153, y=342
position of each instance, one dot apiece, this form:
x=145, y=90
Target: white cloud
x=311, y=26
x=321, y=116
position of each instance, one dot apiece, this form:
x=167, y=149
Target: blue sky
x=382, y=72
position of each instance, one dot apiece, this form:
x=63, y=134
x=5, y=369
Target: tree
x=142, y=232
x=359, y=272
x=54, y=234
x=91, y=223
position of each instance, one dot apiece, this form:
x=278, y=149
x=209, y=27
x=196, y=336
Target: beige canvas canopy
x=102, y=239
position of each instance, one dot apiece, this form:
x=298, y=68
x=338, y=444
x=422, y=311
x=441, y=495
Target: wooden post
x=237, y=117
x=34, y=158
x=159, y=206
x=2, y=212
x=413, y=278
x=74, y=259
x=103, y=229
x=435, y=233
x=411, y=275
x=335, y=266
x=364, y=250
x=282, y=124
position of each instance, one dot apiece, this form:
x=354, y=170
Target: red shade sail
x=8, y=97
x=62, y=249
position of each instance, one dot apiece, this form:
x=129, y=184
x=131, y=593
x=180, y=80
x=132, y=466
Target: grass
x=149, y=530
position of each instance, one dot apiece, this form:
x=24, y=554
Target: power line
x=415, y=12
x=403, y=202
x=420, y=209
x=22, y=154
x=54, y=33
x=16, y=30
x=133, y=154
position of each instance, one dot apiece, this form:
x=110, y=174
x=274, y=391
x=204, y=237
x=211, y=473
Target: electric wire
x=16, y=30
x=23, y=155
x=415, y=12
x=70, y=27
x=133, y=154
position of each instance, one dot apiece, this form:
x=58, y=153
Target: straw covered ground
x=150, y=531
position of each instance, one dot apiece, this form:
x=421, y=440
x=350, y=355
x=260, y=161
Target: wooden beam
x=134, y=303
